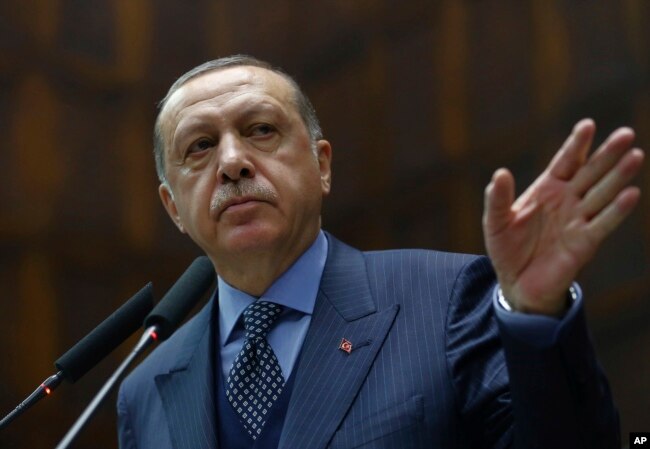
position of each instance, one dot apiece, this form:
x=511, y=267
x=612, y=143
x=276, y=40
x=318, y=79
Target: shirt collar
x=296, y=289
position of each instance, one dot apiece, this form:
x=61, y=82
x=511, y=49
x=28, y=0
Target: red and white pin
x=345, y=345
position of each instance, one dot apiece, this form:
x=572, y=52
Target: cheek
x=305, y=188
x=194, y=194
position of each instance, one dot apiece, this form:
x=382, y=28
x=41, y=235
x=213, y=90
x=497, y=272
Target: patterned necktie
x=255, y=380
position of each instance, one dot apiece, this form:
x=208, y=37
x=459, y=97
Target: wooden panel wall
x=421, y=100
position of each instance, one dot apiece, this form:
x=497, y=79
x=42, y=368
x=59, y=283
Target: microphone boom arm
x=149, y=336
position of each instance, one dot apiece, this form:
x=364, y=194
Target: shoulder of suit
x=450, y=260
x=416, y=255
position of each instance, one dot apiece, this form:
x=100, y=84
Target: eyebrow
x=200, y=123
x=195, y=125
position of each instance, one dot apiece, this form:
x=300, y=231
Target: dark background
x=421, y=100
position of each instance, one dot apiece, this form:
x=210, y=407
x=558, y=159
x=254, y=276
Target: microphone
x=180, y=299
x=91, y=349
x=106, y=337
x=159, y=325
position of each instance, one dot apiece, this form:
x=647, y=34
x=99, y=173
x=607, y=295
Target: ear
x=167, y=198
x=324, y=155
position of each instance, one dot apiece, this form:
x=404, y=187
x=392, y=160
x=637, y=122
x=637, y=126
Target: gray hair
x=304, y=106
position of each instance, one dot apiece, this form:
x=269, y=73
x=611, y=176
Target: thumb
x=499, y=196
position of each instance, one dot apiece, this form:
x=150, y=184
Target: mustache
x=244, y=187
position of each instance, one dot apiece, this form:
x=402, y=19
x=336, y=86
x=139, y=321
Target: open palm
x=539, y=242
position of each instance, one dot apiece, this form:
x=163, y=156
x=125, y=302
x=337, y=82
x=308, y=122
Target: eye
x=200, y=146
x=261, y=130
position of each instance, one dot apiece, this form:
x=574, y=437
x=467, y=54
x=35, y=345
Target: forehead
x=224, y=86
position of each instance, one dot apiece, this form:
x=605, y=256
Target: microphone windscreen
x=180, y=299
x=102, y=340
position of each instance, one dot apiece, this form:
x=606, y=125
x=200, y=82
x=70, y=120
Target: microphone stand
x=43, y=390
x=91, y=349
x=160, y=324
x=149, y=336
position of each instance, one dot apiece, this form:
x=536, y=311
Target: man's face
x=242, y=176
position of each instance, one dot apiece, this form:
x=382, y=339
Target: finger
x=611, y=217
x=499, y=195
x=607, y=155
x=573, y=153
x=607, y=189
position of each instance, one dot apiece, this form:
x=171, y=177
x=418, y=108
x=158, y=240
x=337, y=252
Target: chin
x=250, y=239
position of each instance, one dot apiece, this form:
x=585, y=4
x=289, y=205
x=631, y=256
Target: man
x=309, y=343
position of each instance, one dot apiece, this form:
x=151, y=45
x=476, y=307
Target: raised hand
x=540, y=242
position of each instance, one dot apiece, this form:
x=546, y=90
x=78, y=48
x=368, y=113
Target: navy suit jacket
x=430, y=367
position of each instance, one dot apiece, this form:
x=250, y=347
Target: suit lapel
x=328, y=378
x=187, y=390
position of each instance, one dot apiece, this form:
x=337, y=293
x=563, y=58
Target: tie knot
x=259, y=317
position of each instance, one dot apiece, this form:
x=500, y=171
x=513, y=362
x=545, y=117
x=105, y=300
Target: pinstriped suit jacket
x=430, y=368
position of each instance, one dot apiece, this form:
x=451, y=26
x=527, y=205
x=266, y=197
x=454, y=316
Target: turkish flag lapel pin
x=345, y=345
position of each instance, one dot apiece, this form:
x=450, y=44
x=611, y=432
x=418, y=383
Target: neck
x=255, y=271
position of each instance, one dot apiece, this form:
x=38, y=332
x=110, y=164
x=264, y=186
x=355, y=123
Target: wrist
x=570, y=297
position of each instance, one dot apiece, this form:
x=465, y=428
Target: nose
x=234, y=160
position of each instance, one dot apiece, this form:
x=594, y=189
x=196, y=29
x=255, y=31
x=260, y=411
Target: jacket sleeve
x=561, y=397
x=515, y=394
